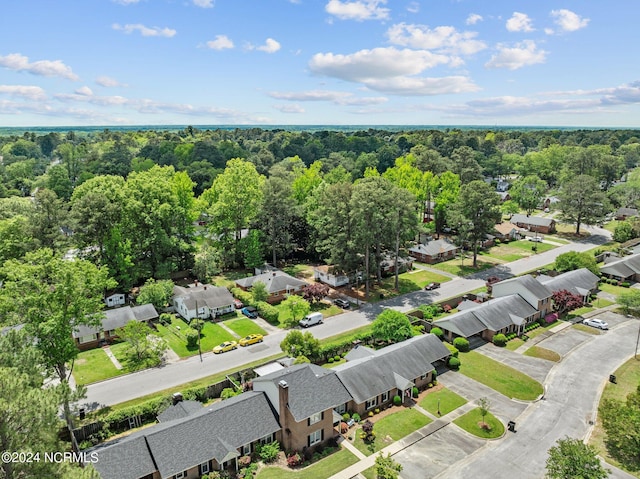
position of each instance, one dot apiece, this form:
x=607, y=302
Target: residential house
x=547, y=202
x=328, y=275
x=502, y=186
x=304, y=397
x=532, y=291
x=506, y=232
x=202, y=301
x=388, y=264
x=580, y=281
x=279, y=284
x=88, y=337
x=115, y=299
x=434, y=251
x=622, y=269
x=196, y=442
x=624, y=213
x=536, y=224
x=373, y=378
x=507, y=314
x=504, y=196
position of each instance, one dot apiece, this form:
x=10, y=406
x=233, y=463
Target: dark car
x=432, y=286
x=342, y=303
x=250, y=312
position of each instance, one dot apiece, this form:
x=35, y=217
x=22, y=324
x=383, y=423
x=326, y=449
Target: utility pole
x=198, y=330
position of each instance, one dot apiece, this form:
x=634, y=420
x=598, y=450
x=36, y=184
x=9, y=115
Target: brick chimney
x=283, y=401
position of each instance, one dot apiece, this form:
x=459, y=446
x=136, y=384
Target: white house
x=325, y=275
x=210, y=301
x=116, y=299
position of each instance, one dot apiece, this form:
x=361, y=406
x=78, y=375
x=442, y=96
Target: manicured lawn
x=93, y=365
x=211, y=335
x=514, y=250
x=514, y=344
x=243, y=327
x=525, y=246
x=369, y=473
x=453, y=266
x=542, y=353
x=322, y=469
x=447, y=399
x=469, y=422
x=326, y=310
x=587, y=329
x=612, y=289
x=498, y=376
x=390, y=429
x=407, y=282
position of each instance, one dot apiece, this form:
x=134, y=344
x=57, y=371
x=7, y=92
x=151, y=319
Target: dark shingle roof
x=624, y=267
x=434, y=247
x=578, y=281
x=531, y=220
x=145, y=312
x=463, y=323
x=312, y=389
x=125, y=458
x=180, y=410
x=204, y=294
x=117, y=318
x=627, y=212
x=274, y=280
x=528, y=282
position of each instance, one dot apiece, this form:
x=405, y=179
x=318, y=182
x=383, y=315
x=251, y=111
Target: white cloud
x=289, y=108
x=473, y=18
x=519, y=22
x=336, y=97
x=522, y=54
x=204, y=3
x=413, y=7
x=47, y=68
x=221, y=42
x=377, y=63
x=109, y=82
x=23, y=91
x=413, y=86
x=567, y=21
x=270, y=46
x=84, y=90
x=145, y=31
x=358, y=10
x=443, y=38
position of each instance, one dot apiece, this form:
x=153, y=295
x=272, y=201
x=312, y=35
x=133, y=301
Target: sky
x=320, y=62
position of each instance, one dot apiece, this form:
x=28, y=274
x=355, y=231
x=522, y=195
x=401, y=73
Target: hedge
x=462, y=344
x=268, y=313
x=499, y=340
x=454, y=363
x=332, y=350
x=244, y=296
x=437, y=332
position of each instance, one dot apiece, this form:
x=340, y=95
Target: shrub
x=454, y=363
x=244, y=461
x=244, y=296
x=337, y=357
x=267, y=312
x=250, y=470
x=462, y=344
x=376, y=410
x=437, y=332
x=268, y=452
x=356, y=417
x=625, y=284
x=370, y=414
x=166, y=318
x=415, y=392
x=346, y=416
x=430, y=385
x=295, y=459
x=500, y=340
x=330, y=360
x=454, y=351
x=397, y=400
x=434, y=375
x=192, y=337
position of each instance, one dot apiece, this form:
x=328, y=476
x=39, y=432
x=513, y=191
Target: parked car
x=535, y=239
x=224, y=347
x=432, y=286
x=250, y=312
x=251, y=339
x=342, y=303
x=596, y=323
x=238, y=304
x=311, y=320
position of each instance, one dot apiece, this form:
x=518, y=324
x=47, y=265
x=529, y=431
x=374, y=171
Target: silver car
x=596, y=323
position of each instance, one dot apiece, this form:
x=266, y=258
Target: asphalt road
x=131, y=386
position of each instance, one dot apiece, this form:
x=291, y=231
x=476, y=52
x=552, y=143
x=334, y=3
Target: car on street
x=250, y=312
x=535, y=239
x=311, y=319
x=596, y=323
x=342, y=303
x=237, y=303
x=432, y=286
x=224, y=347
x=250, y=339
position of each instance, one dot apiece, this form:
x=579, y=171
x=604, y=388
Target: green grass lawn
x=325, y=308
x=612, y=289
x=390, y=429
x=498, y=376
x=515, y=250
x=244, y=327
x=514, y=344
x=370, y=473
x=228, y=278
x=322, y=469
x=302, y=271
x=445, y=398
x=211, y=335
x=542, y=353
x=470, y=423
x=453, y=266
x=407, y=282
x=93, y=365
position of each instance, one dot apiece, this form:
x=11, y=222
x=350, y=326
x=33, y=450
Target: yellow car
x=251, y=339
x=224, y=347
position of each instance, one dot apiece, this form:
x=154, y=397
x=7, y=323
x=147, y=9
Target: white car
x=596, y=323
x=535, y=239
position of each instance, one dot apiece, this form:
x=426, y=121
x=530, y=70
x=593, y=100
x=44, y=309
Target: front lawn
x=514, y=344
x=453, y=266
x=504, y=379
x=542, y=353
x=211, y=335
x=93, y=365
x=612, y=289
x=446, y=399
x=470, y=422
x=322, y=469
x=391, y=428
x=326, y=310
x=244, y=327
x=515, y=250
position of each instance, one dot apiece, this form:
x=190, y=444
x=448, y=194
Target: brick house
x=279, y=284
x=536, y=224
x=580, y=281
x=434, y=251
x=622, y=269
x=531, y=290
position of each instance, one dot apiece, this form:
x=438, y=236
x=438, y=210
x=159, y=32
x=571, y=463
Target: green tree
x=252, y=250
x=59, y=182
x=297, y=343
x=158, y=293
x=528, y=192
x=259, y=291
x=276, y=216
x=15, y=238
x=145, y=349
x=572, y=458
x=630, y=302
x=475, y=213
x=48, y=218
x=621, y=421
x=623, y=232
x=297, y=306
x=575, y=260
x=465, y=165
x=386, y=467
x=392, y=326
x=484, y=405
x=446, y=194
x=207, y=263
x=582, y=201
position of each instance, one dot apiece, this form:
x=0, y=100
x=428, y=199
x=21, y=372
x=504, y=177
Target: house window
x=424, y=376
x=180, y=475
x=266, y=439
x=86, y=339
x=371, y=403
x=315, y=418
x=315, y=437
x=342, y=408
x=246, y=449
x=204, y=468
x=385, y=397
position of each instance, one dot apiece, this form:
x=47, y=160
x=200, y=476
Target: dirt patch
x=80, y=362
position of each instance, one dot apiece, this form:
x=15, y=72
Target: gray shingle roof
x=531, y=220
x=359, y=352
x=576, y=281
x=527, y=281
x=434, y=247
x=312, y=389
x=204, y=294
x=370, y=376
x=180, y=410
x=624, y=267
x=274, y=280
x=463, y=323
x=125, y=458
x=116, y=318
x=627, y=212
x=145, y=312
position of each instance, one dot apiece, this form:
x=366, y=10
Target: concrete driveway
x=565, y=341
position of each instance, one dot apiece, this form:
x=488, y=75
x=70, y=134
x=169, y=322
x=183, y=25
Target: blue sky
x=362, y=62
